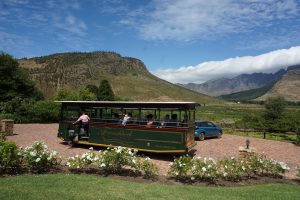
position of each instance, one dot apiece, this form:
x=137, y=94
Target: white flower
x=176, y=173
x=102, y=165
x=37, y=160
x=225, y=166
x=225, y=174
x=209, y=166
x=192, y=178
x=284, y=166
x=91, y=148
x=134, y=161
x=32, y=153
x=232, y=158
x=147, y=158
x=203, y=169
x=243, y=168
x=211, y=159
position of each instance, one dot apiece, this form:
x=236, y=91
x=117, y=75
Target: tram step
x=84, y=138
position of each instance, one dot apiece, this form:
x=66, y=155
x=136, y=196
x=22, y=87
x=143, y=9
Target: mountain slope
x=129, y=77
x=242, y=82
x=248, y=94
x=288, y=86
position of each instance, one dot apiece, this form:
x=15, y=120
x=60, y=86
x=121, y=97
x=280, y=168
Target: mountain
x=288, y=86
x=128, y=77
x=239, y=83
x=247, y=95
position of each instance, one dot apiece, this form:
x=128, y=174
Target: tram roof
x=132, y=104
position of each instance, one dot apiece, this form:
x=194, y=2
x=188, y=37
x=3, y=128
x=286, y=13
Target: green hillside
x=129, y=77
x=248, y=94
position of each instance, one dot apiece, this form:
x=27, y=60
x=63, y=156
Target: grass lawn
x=63, y=186
x=292, y=138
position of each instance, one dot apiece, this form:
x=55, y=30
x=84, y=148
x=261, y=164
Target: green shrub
x=9, y=157
x=45, y=111
x=38, y=158
x=231, y=169
x=181, y=167
x=2, y=136
x=81, y=162
x=115, y=159
x=204, y=169
x=146, y=167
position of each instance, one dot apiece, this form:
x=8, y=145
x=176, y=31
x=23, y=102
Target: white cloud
x=200, y=19
x=269, y=62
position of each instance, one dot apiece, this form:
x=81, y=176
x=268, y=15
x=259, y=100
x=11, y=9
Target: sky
x=180, y=41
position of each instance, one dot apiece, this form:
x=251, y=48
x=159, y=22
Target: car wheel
x=201, y=136
x=219, y=135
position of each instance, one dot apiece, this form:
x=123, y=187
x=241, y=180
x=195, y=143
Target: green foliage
x=248, y=94
x=18, y=109
x=144, y=165
x=38, y=158
x=14, y=83
x=86, y=95
x=204, y=169
x=275, y=106
x=9, y=157
x=181, y=167
x=230, y=169
x=105, y=92
x=113, y=161
x=45, y=111
x=80, y=162
x=82, y=94
x=92, y=88
x=251, y=121
x=2, y=136
x=66, y=95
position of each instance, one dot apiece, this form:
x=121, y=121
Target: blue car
x=206, y=129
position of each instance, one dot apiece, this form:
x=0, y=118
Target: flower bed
x=37, y=158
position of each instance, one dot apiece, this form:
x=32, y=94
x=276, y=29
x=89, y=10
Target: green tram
x=162, y=127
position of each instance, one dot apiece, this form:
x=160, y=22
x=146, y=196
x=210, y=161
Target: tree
x=275, y=106
x=92, y=88
x=86, y=95
x=14, y=82
x=105, y=92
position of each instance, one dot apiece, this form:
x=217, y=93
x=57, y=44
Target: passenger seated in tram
x=149, y=120
x=126, y=118
x=173, y=121
x=166, y=120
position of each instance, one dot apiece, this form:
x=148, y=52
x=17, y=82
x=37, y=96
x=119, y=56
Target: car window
x=209, y=124
x=204, y=124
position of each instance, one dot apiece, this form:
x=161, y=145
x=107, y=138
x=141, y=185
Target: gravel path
x=227, y=146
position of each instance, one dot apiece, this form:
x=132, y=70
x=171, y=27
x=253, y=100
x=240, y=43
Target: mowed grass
x=63, y=186
x=292, y=138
